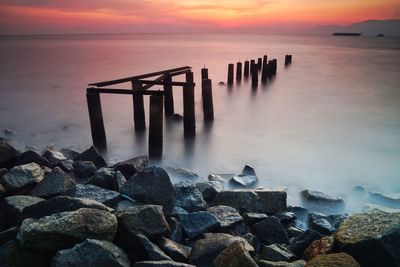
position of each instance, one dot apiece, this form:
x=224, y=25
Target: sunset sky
x=90, y=16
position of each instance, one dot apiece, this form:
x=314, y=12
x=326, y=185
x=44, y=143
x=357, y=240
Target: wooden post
x=156, y=126
x=259, y=64
x=246, y=69
x=254, y=77
x=230, y=74
x=206, y=92
x=169, y=97
x=138, y=107
x=96, y=120
x=275, y=65
x=265, y=59
x=252, y=64
x=239, y=71
x=286, y=60
x=204, y=73
x=264, y=74
x=290, y=59
x=189, y=121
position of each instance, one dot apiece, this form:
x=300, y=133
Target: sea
x=329, y=121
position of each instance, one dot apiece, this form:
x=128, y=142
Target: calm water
x=329, y=121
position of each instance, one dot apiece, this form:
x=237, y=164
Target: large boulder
x=334, y=260
x=84, y=169
x=302, y=241
x=13, y=207
x=12, y=255
x=66, y=229
x=182, y=174
x=271, y=231
x=227, y=216
x=197, y=223
x=235, y=255
x=247, y=178
x=107, y=197
x=8, y=155
x=91, y=253
x=276, y=252
x=132, y=166
x=188, y=197
x=176, y=251
x=23, y=176
x=151, y=186
x=54, y=156
x=55, y=183
x=92, y=155
x=161, y=264
x=69, y=153
x=108, y=179
x=319, y=247
x=373, y=239
x=322, y=202
x=30, y=156
x=152, y=251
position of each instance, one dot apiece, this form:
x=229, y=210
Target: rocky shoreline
x=64, y=208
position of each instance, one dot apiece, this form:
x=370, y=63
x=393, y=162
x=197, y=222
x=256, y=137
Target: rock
x=221, y=83
x=107, y=197
x=293, y=231
x=252, y=218
x=384, y=200
x=66, y=165
x=21, y=177
x=318, y=201
x=334, y=260
x=152, y=186
x=271, y=231
x=252, y=201
x=299, y=263
x=368, y=207
x=61, y=204
x=8, y=155
x=3, y=191
x=235, y=255
x=3, y=221
x=132, y=166
x=92, y=155
x=125, y=204
x=301, y=242
x=175, y=250
x=322, y=226
x=3, y=171
x=161, y=264
x=91, y=253
x=9, y=132
x=319, y=247
x=66, y=229
x=253, y=240
x=216, y=180
x=12, y=255
x=302, y=218
x=205, y=250
x=286, y=218
x=153, y=252
x=276, y=252
x=177, y=117
x=208, y=190
x=54, y=156
x=108, y=179
x=69, y=153
x=55, y=183
x=8, y=235
x=13, y=207
x=196, y=223
x=373, y=239
x=188, y=197
x=247, y=178
x=31, y=156
x=182, y=174
x=84, y=169
x=177, y=232
x=227, y=216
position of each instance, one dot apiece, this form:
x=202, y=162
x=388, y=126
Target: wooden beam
x=168, y=83
x=123, y=91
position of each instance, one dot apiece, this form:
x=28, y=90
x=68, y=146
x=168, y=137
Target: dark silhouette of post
x=275, y=65
x=254, y=77
x=259, y=63
x=265, y=59
x=204, y=73
x=208, y=107
x=156, y=126
x=230, y=74
x=264, y=74
x=252, y=65
x=96, y=120
x=239, y=71
x=189, y=122
x=288, y=59
x=138, y=106
x=246, y=69
x=169, y=96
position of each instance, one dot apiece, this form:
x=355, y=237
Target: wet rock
x=319, y=201
x=54, y=156
x=55, y=183
x=66, y=165
x=188, y=197
x=322, y=226
x=108, y=179
x=334, y=260
x=178, y=211
x=182, y=174
x=161, y=264
x=91, y=253
x=276, y=252
x=247, y=178
x=66, y=229
x=227, y=216
x=84, y=169
x=8, y=235
x=152, y=251
x=107, y=197
x=3, y=171
x=373, y=239
x=235, y=255
x=293, y=231
x=176, y=251
x=253, y=240
x=13, y=207
x=301, y=242
x=384, y=200
x=298, y=263
x=132, y=166
x=208, y=190
x=217, y=180
x=368, y=207
x=319, y=247
x=69, y=153
x=22, y=176
x=126, y=204
x=3, y=221
x=205, y=250
x=152, y=186
x=286, y=217
x=12, y=255
x=302, y=217
x=197, y=223
x=61, y=204
x=271, y=231
x=31, y=156
x=3, y=191
x=252, y=218
x=8, y=155
x=92, y=155
x=177, y=232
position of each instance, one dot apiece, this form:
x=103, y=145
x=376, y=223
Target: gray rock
x=177, y=233
x=197, y=223
x=92, y=155
x=302, y=217
x=108, y=179
x=252, y=218
x=373, y=239
x=319, y=201
x=8, y=155
x=182, y=174
x=208, y=190
x=153, y=252
x=276, y=252
x=384, y=200
x=61, y=204
x=132, y=166
x=3, y=171
x=84, y=169
x=322, y=226
x=286, y=217
x=66, y=229
x=54, y=156
x=125, y=204
x=161, y=264
x=293, y=231
x=188, y=197
x=66, y=165
x=217, y=181
x=55, y=183
x=178, y=211
x=271, y=231
x=69, y=153
x=91, y=253
x=152, y=186
x=302, y=241
x=227, y=216
x=176, y=251
x=235, y=255
x=334, y=260
x=107, y=197
x=13, y=207
x=31, y=156
x=22, y=176
x=8, y=235
x=247, y=178
x=298, y=263
x=12, y=255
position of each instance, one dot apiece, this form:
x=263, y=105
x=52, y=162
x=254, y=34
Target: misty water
x=328, y=122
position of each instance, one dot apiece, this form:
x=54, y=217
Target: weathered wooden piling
x=96, y=120
x=252, y=64
x=264, y=74
x=239, y=71
x=254, y=77
x=204, y=73
x=275, y=65
x=246, y=69
x=259, y=63
x=169, y=96
x=189, y=121
x=265, y=59
x=208, y=107
x=156, y=126
x=230, y=74
x=288, y=59
x=138, y=106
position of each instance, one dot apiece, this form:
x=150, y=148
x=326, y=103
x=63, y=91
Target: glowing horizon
x=49, y=16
